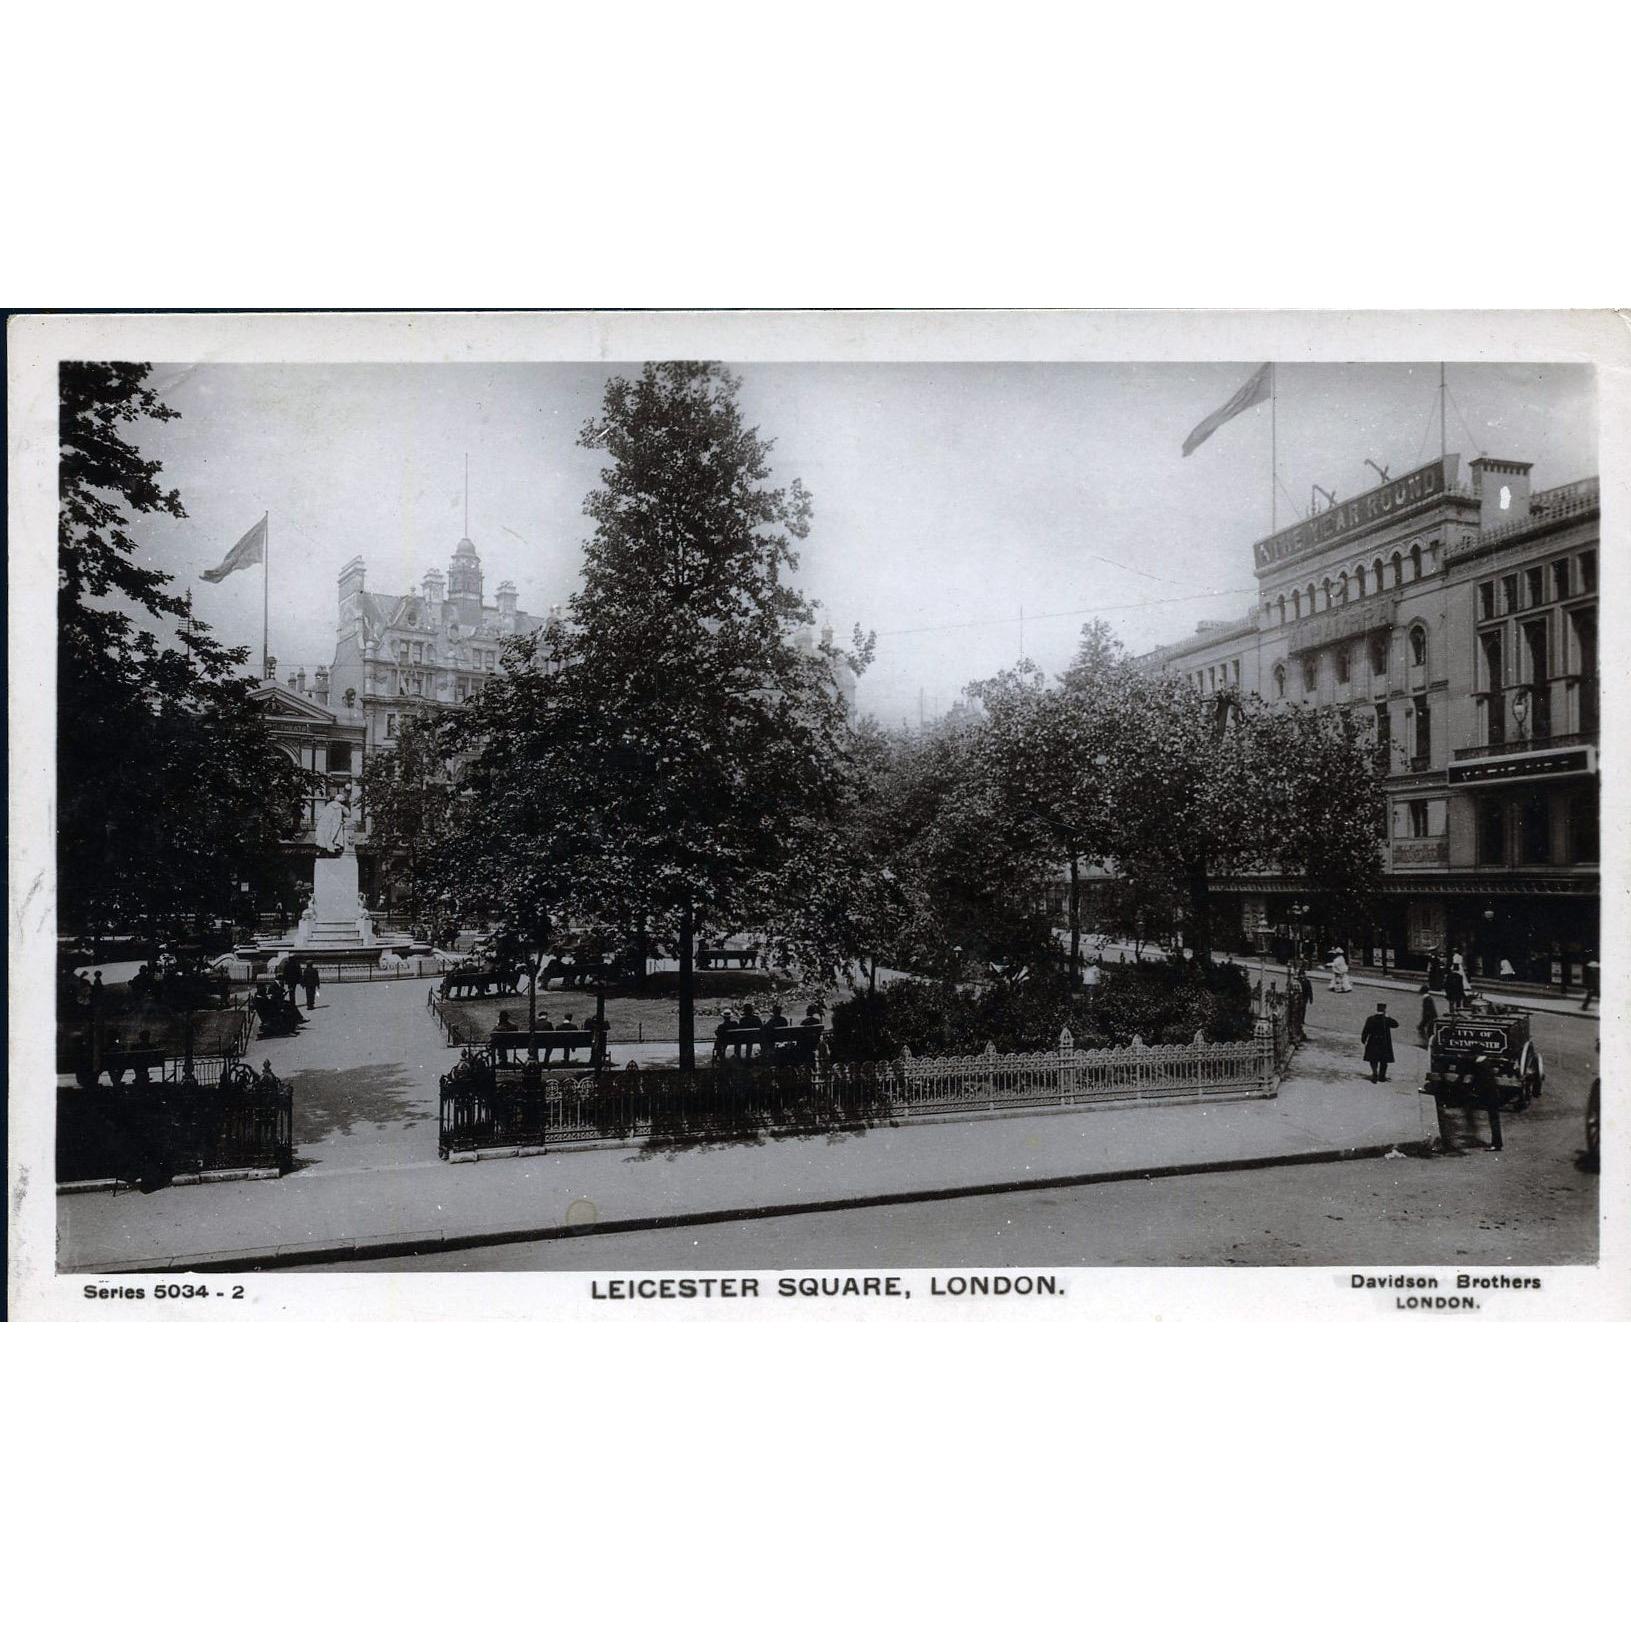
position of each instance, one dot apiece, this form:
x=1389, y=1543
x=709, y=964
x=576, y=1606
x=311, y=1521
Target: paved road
x=1528, y=1205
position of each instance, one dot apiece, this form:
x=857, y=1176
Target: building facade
x=1458, y=623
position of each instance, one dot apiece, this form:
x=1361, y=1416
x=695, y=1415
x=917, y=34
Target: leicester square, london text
x=1350, y=515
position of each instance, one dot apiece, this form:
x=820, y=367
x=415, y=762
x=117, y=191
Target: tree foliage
x=169, y=788
x=410, y=801
x=672, y=760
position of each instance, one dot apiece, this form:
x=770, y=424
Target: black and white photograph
x=733, y=825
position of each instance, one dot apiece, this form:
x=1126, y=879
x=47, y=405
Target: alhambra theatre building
x=1459, y=622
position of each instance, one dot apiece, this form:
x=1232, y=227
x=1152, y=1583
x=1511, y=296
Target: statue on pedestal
x=334, y=825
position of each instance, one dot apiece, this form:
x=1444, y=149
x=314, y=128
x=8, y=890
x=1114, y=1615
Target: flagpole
x=266, y=592
x=1274, y=450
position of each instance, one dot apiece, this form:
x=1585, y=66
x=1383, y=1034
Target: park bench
x=728, y=957
x=782, y=1044
x=583, y=971
x=480, y=982
x=512, y=1047
x=122, y=1062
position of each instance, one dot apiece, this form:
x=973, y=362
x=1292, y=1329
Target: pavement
x=368, y=1184
x=1532, y=999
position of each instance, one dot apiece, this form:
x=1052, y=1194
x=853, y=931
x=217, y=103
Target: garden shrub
x=1160, y=1002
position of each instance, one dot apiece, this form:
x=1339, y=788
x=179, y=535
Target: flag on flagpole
x=1255, y=390
x=250, y=550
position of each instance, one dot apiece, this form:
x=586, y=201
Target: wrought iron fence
x=151, y=1135
x=484, y=1108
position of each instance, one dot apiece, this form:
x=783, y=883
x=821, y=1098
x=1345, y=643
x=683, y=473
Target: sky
x=968, y=513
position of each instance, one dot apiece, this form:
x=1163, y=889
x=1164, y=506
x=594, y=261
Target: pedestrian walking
x=1377, y=1036
x=1429, y=1017
x=1339, y=972
x=1307, y=986
x=291, y=979
x=1455, y=988
x=1435, y=972
x=1593, y=976
x=310, y=981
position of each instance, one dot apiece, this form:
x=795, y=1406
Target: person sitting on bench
x=722, y=1035
x=142, y=1061
x=567, y=1024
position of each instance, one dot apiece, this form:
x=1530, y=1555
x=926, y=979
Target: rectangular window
x=1537, y=830
x=1237, y=673
x=1509, y=593
x=1495, y=701
x=1588, y=572
x=1583, y=827
x=1540, y=696
x=1535, y=585
x=1560, y=579
x=1584, y=625
x=1418, y=818
x=1342, y=665
x=390, y=724
x=1378, y=654
x=339, y=758
x=1384, y=739
x=1424, y=735
x=1311, y=673
x=1491, y=833
x=1486, y=600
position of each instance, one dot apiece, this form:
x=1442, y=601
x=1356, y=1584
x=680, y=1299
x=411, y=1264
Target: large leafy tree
x=410, y=801
x=1046, y=752
x=950, y=883
x=1207, y=787
x=673, y=759
x=169, y=788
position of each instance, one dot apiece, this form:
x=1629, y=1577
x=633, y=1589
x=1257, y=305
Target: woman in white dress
x=1339, y=972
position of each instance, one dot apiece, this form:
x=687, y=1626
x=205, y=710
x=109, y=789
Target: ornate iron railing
x=153, y=1134
x=511, y=1109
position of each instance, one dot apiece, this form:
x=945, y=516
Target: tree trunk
x=1075, y=921
x=1200, y=912
x=688, y=1018
x=872, y=975
x=532, y=1011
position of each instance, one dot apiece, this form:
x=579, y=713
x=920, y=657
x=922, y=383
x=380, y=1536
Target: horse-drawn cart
x=1483, y=1058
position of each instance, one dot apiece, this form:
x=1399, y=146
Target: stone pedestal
x=334, y=889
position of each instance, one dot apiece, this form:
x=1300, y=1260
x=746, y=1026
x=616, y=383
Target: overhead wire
x=1037, y=617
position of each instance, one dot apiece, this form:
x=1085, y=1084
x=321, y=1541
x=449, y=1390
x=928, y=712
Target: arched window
x=1359, y=580
x=1325, y=584
x=1376, y=574
x=1311, y=673
x=1342, y=587
x=1418, y=645
x=1279, y=681
x=1296, y=603
x=1282, y=608
x=1398, y=571
x=1415, y=562
x=1313, y=601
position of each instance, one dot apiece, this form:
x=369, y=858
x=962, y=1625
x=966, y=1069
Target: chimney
x=319, y=686
x=433, y=585
x=1501, y=487
x=506, y=593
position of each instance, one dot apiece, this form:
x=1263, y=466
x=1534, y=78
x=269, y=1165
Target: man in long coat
x=1378, y=1039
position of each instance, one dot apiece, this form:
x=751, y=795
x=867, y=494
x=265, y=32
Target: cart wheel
x=1537, y=1066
